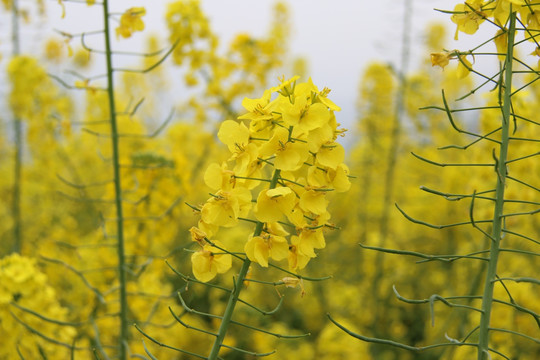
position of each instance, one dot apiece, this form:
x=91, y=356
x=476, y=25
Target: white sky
x=338, y=37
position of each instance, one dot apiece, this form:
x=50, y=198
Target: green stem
x=233, y=298
x=487, y=299
x=122, y=343
x=17, y=123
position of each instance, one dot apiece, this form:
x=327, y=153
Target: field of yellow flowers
x=246, y=221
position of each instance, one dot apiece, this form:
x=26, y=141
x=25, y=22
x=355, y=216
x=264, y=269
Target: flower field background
x=245, y=221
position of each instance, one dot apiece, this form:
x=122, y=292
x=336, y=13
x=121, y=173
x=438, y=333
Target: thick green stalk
x=487, y=300
x=117, y=188
x=17, y=123
x=233, y=298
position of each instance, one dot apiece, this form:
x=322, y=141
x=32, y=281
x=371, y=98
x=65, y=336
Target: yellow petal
x=331, y=155
x=314, y=201
x=234, y=135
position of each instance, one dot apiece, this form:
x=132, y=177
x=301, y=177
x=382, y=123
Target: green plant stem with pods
x=485, y=347
x=123, y=335
x=501, y=171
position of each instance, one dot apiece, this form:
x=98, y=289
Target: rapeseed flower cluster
x=24, y=289
x=131, y=21
x=294, y=135
x=468, y=17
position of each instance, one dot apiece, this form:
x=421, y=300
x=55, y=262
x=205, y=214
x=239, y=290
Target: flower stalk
x=496, y=234
x=123, y=336
x=233, y=298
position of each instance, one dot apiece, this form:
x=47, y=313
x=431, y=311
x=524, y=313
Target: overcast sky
x=338, y=38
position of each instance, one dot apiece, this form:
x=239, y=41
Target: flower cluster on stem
x=290, y=133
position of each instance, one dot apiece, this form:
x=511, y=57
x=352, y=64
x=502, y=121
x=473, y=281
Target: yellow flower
x=210, y=261
x=85, y=84
x=331, y=155
x=323, y=98
x=314, y=201
x=233, y=134
x=53, y=50
x=501, y=41
x=131, y=21
x=290, y=154
x=274, y=203
x=258, y=109
x=339, y=178
x=81, y=58
x=219, y=177
x=317, y=177
x=198, y=235
x=310, y=239
x=225, y=207
x=320, y=136
x=302, y=113
x=296, y=259
x=502, y=10
x=441, y=58
x=468, y=17
x=296, y=216
x=260, y=248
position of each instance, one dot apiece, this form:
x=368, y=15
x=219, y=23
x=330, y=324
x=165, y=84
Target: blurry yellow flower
x=53, y=50
x=191, y=79
x=260, y=248
x=81, y=58
x=441, y=58
x=84, y=84
x=131, y=21
x=501, y=41
x=210, y=261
